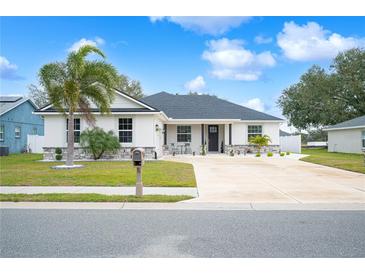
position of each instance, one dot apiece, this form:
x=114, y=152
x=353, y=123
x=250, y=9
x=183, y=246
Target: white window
x=2, y=133
x=254, y=130
x=17, y=132
x=125, y=130
x=184, y=134
x=363, y=139
x=77, y=130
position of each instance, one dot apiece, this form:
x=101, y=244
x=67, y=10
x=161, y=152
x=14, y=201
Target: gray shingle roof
x=9, y=102
x=202, y=107
x=357, y=122
x=9, y=99
x=284, y=133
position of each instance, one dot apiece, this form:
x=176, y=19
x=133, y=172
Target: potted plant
x=203, y=149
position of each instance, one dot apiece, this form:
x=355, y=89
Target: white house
x=164, y=123
x=348, y=136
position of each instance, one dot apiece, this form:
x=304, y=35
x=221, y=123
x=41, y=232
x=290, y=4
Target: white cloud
x=260, y=39
x=313, y=42
x=99, y=40
x=214, y=25
x=83, y=41
x=154, y=19
x=197, y=84
x=8, y=70
x=255, y=103
x=230, y=60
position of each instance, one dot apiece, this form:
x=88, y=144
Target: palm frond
x=101, y=73
x=53, y=77
x=98, y=96
x=87, y=49
x=86, y=111
x=76, y=83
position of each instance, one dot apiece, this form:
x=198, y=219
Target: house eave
x=343, y=128
x=218, y=121
x=121, y=94
x=99, y=113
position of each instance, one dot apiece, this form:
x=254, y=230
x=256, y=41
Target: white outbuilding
x=348, y=136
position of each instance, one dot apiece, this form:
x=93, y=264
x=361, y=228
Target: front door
x=212, y=138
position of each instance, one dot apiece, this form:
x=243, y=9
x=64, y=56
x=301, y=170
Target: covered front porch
x=193, y=137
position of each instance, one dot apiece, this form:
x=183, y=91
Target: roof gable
x=353, y=123
x=8, y=103
x=202, y=107
x=122, y=103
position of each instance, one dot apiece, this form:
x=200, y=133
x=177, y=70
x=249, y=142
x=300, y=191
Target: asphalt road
x=181, y=233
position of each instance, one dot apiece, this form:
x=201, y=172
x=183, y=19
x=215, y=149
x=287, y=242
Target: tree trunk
x=70, y=140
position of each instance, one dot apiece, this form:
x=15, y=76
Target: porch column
x=165, y=134
x=230, y=134
x=202, y=130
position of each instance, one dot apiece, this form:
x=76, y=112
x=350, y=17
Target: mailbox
x=138, y=156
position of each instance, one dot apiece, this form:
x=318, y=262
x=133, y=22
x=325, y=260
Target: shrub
x=203, y=150
x=58, y=157
x=288, y=153
x=260, y=141
x=58, y=150
x=258, y=154
x=96, y=141
x=270, y=154
x=231, y=152
x=282, y=154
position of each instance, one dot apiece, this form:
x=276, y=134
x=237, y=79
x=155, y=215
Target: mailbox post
x=138, y=160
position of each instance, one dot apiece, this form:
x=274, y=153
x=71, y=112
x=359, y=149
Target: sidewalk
x=191, y=191
x=182, y=206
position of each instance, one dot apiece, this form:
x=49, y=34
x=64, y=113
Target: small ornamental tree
x=96, y=141
x=260, y=141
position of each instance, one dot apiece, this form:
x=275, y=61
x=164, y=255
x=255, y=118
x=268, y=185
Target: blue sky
x=245, y=60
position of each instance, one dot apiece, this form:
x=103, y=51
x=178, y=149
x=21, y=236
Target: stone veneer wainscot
x=81, y=154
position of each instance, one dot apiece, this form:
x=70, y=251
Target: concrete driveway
x=239, y=179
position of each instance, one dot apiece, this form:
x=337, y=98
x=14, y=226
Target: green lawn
x=347, y=161
x=26, y=170
x=86, y=197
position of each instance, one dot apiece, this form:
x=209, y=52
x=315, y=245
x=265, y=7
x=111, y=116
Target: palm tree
x=260, y=141
x=72, y=86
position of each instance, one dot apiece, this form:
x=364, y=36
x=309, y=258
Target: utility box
x=4, y=151
x=138, y=156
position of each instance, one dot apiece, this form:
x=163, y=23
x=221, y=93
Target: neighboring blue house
x=17, y=121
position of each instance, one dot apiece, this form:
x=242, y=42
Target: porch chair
x=187, y=148
x=174, y=149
